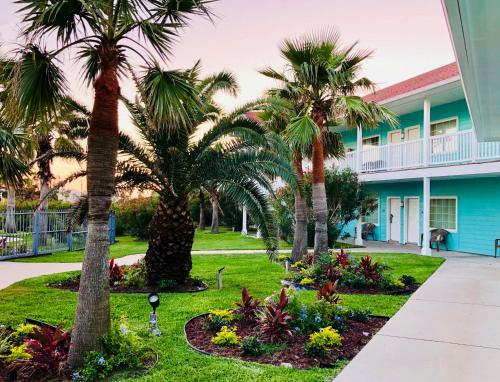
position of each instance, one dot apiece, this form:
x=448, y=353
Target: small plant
x=298, y=265
x=115, y=273
x=218, y=318
x=308, y=259
x=333, y=273
x=252, y=346
x=17, y=353
x=248, y=306
x=274, y=322
x=328, y=293
x=226, y=337
x=369, y=269
x=359, y=315
x=307, y=281
x=166, y=285
x=282, y=258
x=135, y=275
x=408, y=280
x=49, y=348
x=343, y=259
x=323, y=341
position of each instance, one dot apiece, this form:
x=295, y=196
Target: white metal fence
x=29, y=233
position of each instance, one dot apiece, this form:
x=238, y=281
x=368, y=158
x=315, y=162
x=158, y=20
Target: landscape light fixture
x=154, y=301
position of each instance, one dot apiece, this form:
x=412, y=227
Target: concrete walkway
x=446, y=332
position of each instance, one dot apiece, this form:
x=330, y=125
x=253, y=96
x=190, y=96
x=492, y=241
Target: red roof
x=415, y=83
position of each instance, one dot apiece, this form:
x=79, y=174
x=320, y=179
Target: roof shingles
x=425, y=79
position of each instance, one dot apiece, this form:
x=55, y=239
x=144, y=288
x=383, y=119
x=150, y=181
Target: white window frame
x=412, y=127
x=372, y=136
x=455, y=118
x=378, y=214
x=456, y=213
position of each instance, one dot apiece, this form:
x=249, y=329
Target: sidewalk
x=446, y=332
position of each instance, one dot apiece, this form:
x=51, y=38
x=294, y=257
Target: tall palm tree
x=323, y=77
x=233, y=159
x=102, y=34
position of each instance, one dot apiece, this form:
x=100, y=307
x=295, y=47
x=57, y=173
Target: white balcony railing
x=460, y=147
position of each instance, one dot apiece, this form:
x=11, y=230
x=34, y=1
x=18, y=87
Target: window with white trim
x=445, y=142
x=370, y=142
x=372, y=217
x=444, y=213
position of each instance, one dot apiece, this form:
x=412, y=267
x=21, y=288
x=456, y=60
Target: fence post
x=112, y=227
x=69, y=240
x=36, y=232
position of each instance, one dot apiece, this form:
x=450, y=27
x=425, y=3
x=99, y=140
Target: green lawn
x=126, y=245
x=31, y=298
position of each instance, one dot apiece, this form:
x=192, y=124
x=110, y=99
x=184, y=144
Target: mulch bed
x=191, y=286
x=354, y=339
x=371, y=289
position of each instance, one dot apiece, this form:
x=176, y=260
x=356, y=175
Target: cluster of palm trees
x=319, y=91
x=237, y=157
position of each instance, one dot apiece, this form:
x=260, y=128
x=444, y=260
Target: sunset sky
x=408, y=37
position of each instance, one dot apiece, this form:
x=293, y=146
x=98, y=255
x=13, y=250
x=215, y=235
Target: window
x=444, y=127
x=371, y=142
x=444, y=143
x=444, y=213
x=373, y=216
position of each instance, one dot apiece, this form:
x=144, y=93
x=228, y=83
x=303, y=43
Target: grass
x=31, y=298
x=126, y=245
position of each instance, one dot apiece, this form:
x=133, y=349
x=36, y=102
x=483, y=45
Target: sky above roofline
x=408, y=38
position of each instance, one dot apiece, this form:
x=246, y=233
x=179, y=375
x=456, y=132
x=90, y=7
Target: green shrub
x=135, y=275
x=226, y=337
x=134, y=215
x=323, y=341
x=360, y=315
x=218, y=318
x=31, y=205
x=408, y=280
x=252, y=346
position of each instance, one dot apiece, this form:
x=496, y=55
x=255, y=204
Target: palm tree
x=323, y=78
x=102, y=34
x=233, y=159
x=13, y=169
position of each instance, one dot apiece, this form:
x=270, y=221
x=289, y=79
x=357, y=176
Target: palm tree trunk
x=10, y=217
x=215, y=215
x=202, y=224
x=92, y=319
x=299, y=248
x=45, y=177
x=320, y=208
x=171, y=235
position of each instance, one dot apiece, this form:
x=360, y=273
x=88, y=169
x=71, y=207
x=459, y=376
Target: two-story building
x=430, y=172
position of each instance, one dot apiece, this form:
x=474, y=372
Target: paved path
x=446, y=332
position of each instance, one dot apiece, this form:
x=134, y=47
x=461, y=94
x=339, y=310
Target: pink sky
x=408, y=37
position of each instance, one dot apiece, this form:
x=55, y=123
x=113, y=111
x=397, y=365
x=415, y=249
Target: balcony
x=441, y=150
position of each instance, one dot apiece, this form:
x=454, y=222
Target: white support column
x=359, y=237
x=427, y=131
x=474, y=145
x=359, y=149
x=426, y=251
x=244, y=228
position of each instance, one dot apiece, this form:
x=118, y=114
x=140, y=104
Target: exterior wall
x=454, y=109
x=478, y=210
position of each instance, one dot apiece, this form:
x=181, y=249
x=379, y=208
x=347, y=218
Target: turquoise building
x=431, y=171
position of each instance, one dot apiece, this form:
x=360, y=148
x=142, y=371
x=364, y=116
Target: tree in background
x=347, y=201
x=102, y=35
x=323, y=77
x=233, y=159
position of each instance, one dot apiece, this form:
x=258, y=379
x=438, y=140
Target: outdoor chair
x=367, y=230
x=438, y=236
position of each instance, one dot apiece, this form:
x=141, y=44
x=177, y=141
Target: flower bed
x=132, y=279
x=284, y=331
x=39, y=353
x=352, y=276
